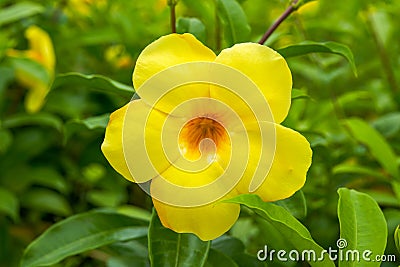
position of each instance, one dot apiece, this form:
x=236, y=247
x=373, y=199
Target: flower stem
x=172, y=4
x=292, y=7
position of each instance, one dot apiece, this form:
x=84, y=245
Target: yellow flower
x=42, y=53
x=205, y=129
x=118, y=57
x=83, y=7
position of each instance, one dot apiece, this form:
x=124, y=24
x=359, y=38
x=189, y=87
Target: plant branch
x=292, y=7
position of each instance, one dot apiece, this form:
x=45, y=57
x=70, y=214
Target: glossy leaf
x=290, y=228
x=236, y=28
x=9, y=204
x=167, y=248
x=377, y=145
x=19, y=11
x=315, y=47
x=193, y=26
x=296, y=204
x=81, y=233
x=362, y=226
x=93, y=82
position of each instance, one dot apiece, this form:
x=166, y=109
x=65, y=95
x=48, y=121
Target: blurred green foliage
x=51, y=166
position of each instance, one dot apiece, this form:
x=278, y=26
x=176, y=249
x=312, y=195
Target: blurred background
x=51, y=166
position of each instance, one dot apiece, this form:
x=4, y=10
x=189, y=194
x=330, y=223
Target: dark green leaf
x=362, y=226
x=290, y=228
x=236, y=28
x=129, y=253
x=233, y=249
x=93, y=82
x=167, y=248
x=377, y=145
x=40, y=119
x=81, y=233
x=315, y=47
x=19, y=11
x=217, y=259
x=6, y=139
x=193, y=26
x=91, y=123
x=9, y=204
x=46, y=201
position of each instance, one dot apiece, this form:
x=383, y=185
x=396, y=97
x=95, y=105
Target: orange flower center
x=195, y=131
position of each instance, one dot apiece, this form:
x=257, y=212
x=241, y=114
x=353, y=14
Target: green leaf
x=397, y=238
x=388, y=124
x=231, y=249
x=359, y=170
x=299, y=94
x=40, y=119
x=383, y=198
x=81, y=233
x=316, y=47
x=30, y=69
x=296, y=204
x=236, y=28
x=93, y=82
x=217, y=259
x=362, y=226
x=9, y=204
x=19, y=11
x=6, y=139
x=91, y=123
x=135, y=212
x=127, y=254
x=167, y=248
x=46, y=201
x=377, y=145
x=290, y=228
x=193, y=26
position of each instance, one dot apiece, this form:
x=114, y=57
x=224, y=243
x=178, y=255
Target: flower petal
x=41, y=47
x=207, y=222
x=112, y=144
x=288, y=172
x=35, y=97
x=166, y=52
x=132, y=142
x=267, y=69
x=290, y=162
